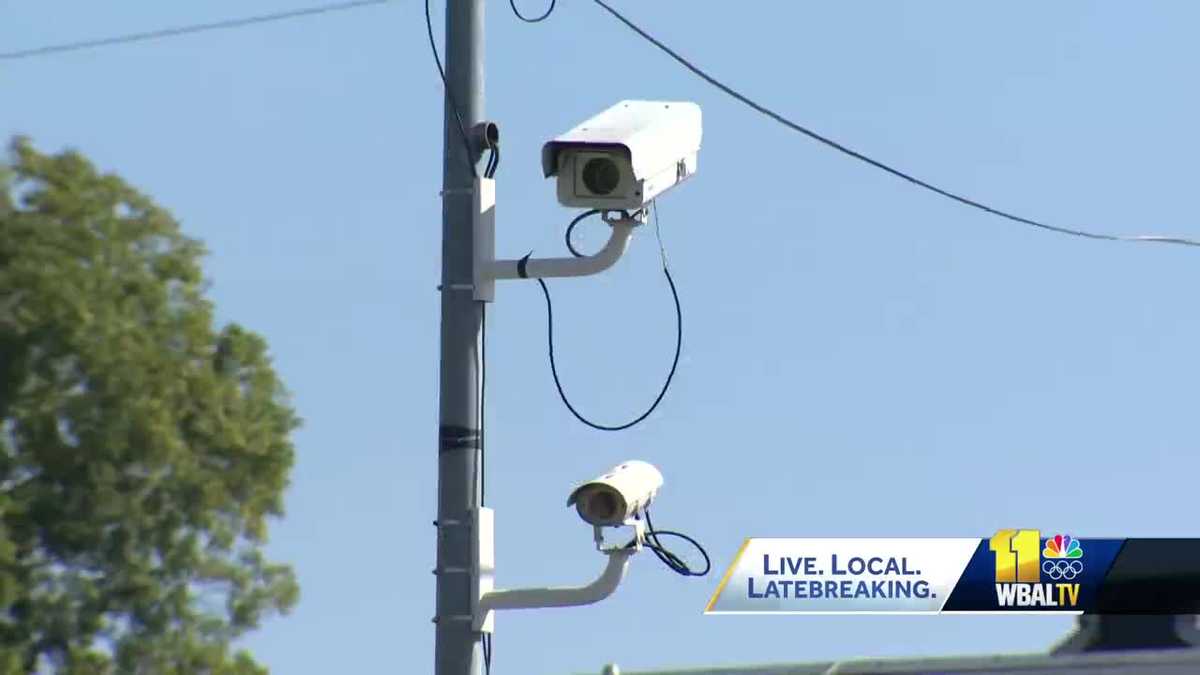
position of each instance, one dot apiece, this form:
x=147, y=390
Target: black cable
x=493, y=162
x=669, y=558
x=571, y=227
x=487, y=653
x=674, y=562
x=549, y=11
x=758, y=107
x=550, y=330
x=185, y=30
x=666, y=384
x=481, y=469
x=462, y=130
x=483, y=400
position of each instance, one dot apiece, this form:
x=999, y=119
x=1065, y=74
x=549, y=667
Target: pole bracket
x=487, y=269
x=486, y=600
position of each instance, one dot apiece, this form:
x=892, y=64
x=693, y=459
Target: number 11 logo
x=1018, y=556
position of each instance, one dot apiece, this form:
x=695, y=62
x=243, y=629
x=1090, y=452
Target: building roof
x=1182, y=661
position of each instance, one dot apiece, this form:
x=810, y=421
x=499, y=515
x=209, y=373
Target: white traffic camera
x=615, y=497
x=626, y=156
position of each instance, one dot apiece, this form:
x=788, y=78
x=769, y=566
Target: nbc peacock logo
x=1061, y=558
x=1062, y=546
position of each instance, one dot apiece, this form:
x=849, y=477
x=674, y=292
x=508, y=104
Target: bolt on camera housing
x=624, y=157
x=615, y=497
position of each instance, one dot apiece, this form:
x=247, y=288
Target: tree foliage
x=142, y=450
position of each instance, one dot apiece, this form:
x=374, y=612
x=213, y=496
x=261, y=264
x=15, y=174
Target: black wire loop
x=571, y=228
x=666, y=384
x=543, y=17
x=550, y=340
x=668, y=557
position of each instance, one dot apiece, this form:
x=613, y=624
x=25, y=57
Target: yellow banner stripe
x=728, y=573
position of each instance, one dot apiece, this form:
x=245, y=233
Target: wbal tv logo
x=1028, y=575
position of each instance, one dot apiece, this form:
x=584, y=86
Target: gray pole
x=456, y=651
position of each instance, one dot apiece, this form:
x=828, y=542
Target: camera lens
x=602, y=506
x=601, y=175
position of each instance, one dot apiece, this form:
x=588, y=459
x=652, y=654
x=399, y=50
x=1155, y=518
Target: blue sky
x=860, y=358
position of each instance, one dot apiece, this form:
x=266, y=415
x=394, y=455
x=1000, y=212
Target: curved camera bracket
x=487, y=600
x=486, y=269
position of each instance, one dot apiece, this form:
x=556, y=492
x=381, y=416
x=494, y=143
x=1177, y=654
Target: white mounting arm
x=487, y=269
x=622, y=230
x=488, y=600
x=563, y=596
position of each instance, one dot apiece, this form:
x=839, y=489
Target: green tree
x=142, y=450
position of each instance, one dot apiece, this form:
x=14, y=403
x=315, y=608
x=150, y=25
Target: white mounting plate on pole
x=483, y=577
x=483, y=222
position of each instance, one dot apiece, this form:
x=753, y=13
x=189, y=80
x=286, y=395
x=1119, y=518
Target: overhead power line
x=186, y=30
x=968, y=201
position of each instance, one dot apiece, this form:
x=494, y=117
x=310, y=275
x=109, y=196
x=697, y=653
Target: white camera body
x=626, y=156
x=616, y=496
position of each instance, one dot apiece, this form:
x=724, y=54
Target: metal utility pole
x=456, y=651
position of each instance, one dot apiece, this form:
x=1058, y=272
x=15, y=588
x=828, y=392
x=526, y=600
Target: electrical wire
x=481, y=372
x=758, y=107
x=487, y=653
x=462, y=130
x=481, y=466
x=481, y=409
x=549, y=11
x=186, y=30
x=554, y=367
x=493, y=162
x=571, y=228
x=668, y=557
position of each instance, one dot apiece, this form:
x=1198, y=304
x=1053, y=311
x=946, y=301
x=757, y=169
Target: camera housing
x=616, y=496
x=624, y=157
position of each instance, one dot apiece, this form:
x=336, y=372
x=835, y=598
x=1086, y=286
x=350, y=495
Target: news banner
x=1014, y=571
